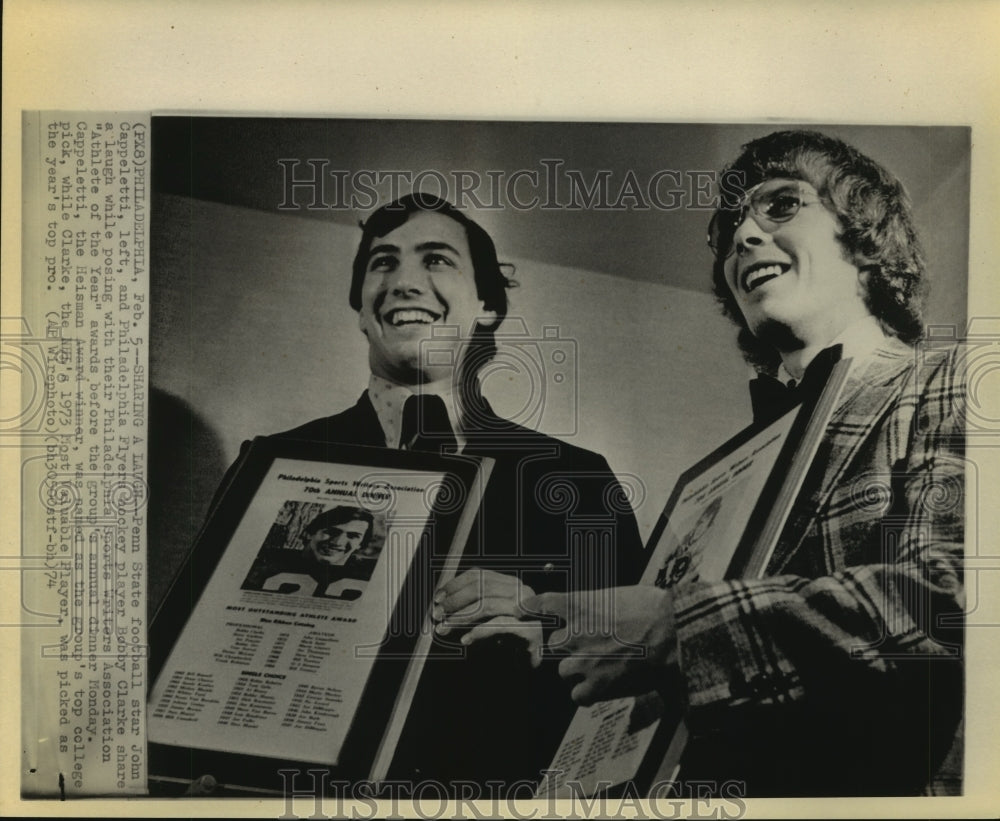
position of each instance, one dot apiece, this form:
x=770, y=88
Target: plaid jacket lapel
x=870, y=394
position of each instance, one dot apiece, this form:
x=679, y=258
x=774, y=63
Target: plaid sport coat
x=840, y=672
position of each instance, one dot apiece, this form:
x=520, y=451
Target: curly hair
x=876, y=217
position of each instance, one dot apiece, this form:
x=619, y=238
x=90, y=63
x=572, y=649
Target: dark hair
x=491, y=282
x=875, y=214
x=338, y=516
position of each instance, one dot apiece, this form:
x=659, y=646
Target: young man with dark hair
x=840, y=672
x=486, y=711
x=323, y=566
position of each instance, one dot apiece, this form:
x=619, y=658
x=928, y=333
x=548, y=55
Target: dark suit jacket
x=554, y=515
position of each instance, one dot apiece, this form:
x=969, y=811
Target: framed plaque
x=295, y=633
x=722, y=520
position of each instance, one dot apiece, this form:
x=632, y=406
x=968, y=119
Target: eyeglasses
x=771, y=202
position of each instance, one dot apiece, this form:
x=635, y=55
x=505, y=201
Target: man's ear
x=865, y=270
x=361, y=321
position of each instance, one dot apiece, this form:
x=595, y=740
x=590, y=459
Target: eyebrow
x=438, y=246
x=431, y=245
x=382, y=249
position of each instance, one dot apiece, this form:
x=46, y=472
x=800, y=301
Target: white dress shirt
x=388, y=400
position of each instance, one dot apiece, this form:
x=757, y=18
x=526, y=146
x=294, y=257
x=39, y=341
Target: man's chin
x=419, y=366
x=776, y=333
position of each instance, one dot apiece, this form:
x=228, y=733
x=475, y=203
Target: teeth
x=758, y=275
x=411, y=315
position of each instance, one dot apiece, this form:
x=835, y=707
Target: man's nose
x=408, y=279
x=749, y=234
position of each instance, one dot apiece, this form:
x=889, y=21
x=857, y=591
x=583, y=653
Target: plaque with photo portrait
x=295, y=632
x=722, y=520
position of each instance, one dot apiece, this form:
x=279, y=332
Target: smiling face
x=418, y=276
x=792, y=279
x=335, y=544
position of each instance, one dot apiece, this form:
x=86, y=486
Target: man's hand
x=621, y=641
x=476, y=596
x=486, y=603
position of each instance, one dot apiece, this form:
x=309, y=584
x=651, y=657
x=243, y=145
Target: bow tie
x=426, y=426
x=770, y=398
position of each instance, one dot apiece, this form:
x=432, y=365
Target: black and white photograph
x=548, y=285
x=684, y=561
x=366, y=452
x=329, y=553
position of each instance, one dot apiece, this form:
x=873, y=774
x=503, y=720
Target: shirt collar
x=388, y=399
x=859, y=340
